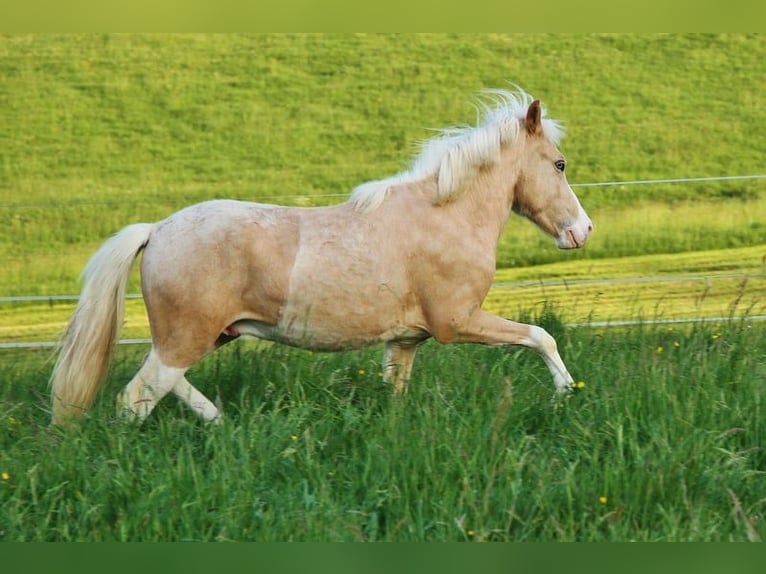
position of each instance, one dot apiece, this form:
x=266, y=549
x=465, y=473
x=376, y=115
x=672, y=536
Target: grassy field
x=663, y=443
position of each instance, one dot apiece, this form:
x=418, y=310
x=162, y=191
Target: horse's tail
x=89, y=338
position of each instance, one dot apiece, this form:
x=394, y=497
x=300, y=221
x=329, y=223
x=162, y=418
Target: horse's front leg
x=397, y=364
x=488, y=329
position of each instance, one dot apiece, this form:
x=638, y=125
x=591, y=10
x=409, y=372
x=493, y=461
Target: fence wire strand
x=51, y=299
x=320, y=196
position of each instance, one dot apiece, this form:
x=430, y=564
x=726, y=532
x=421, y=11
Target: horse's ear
x=534, y=119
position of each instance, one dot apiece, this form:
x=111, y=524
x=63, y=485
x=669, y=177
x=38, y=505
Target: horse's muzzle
x=576, y=235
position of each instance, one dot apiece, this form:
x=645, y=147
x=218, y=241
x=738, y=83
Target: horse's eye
x=560, y=164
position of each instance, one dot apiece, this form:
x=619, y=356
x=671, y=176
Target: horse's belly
x=335, y=333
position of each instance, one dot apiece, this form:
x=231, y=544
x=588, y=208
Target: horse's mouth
x=569, y=239
x=575, y=244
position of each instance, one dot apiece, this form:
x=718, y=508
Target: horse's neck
x=487, y=202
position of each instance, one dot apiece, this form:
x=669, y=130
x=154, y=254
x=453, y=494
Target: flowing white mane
x=457, y=153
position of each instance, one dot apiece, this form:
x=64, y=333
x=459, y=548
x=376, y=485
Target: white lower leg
x=199, y=403
x=543, y=343
x=397, y=365
x=152, y=382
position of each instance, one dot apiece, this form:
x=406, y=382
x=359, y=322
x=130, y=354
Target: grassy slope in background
x=100, y=131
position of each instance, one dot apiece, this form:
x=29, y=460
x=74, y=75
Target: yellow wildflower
x=659, y=349
x=6, y=476
x=578, y=386
x=362, y=372
x=602, y=499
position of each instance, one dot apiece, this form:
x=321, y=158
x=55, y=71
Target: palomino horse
x=404, y=259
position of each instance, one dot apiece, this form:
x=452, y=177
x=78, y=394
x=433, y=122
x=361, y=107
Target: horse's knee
x=540, y=340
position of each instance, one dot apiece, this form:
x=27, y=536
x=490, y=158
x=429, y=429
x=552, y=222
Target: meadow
x=663, y=443
x=664, y=440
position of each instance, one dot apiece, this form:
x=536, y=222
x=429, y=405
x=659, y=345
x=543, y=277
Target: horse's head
x=542, y=192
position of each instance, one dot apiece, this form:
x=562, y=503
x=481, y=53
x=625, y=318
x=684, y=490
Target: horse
x=402, y=260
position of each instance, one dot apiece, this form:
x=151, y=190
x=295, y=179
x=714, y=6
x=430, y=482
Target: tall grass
x=662, y=443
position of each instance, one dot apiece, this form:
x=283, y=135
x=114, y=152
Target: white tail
x=87, y=343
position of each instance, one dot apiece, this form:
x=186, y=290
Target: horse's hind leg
x=150, y=384
x=153, y=381
x=199, y=403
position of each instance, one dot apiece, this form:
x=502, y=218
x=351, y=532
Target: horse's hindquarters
x=211, y=265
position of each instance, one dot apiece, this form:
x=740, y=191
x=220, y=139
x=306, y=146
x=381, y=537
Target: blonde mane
x=457, y=153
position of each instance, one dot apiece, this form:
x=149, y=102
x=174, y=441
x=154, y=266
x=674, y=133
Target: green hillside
x=99, y=131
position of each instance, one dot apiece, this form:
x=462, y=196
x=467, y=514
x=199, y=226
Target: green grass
x=314, y=447
x=715, y=283
x=643, y=228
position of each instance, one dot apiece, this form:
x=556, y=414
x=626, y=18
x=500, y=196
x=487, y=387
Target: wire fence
x=51, y=299
x=574, y=325
x=64, y=298
x=604, y=324
x=672, y=180
x=320, y=196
